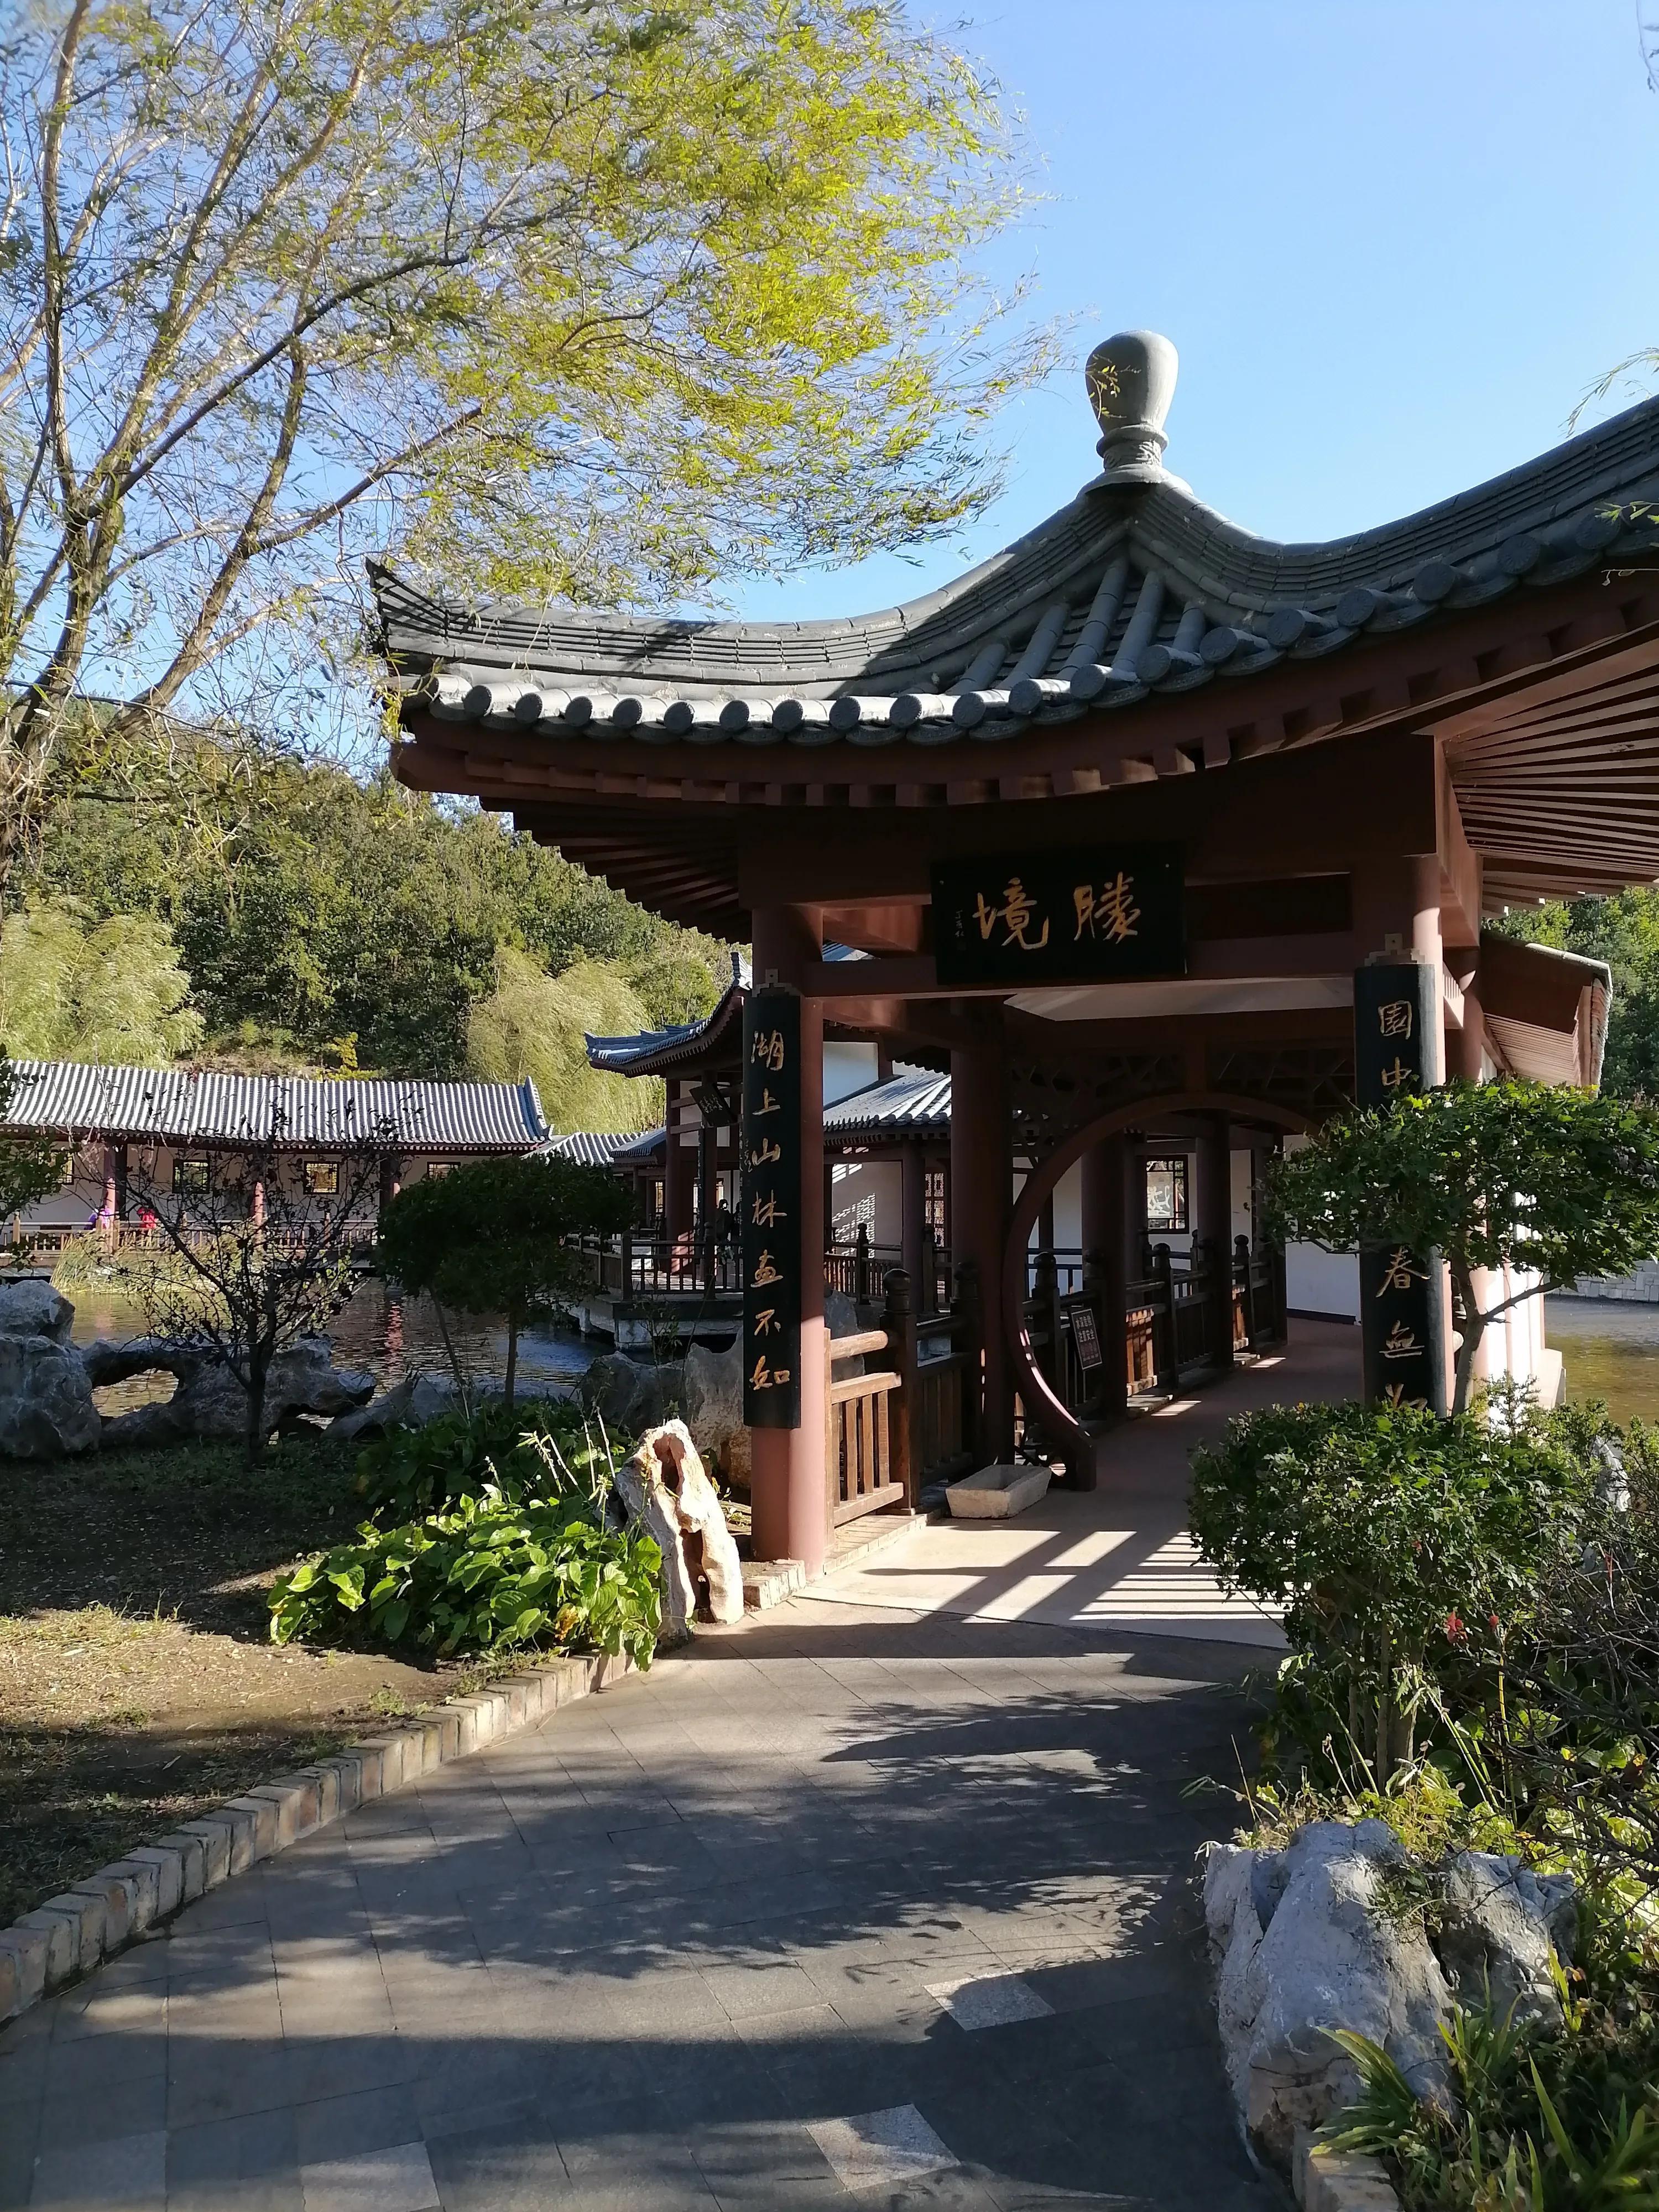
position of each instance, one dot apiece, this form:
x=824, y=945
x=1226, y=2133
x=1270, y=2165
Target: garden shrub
x=410, y=1471
x=1564, y=2121
x=484, y=1574
x=1404, y=1548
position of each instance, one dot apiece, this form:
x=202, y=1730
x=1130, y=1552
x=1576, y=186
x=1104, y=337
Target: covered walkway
x=1116, y=1559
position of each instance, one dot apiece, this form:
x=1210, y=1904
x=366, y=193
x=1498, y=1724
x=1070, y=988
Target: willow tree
x=562, y=295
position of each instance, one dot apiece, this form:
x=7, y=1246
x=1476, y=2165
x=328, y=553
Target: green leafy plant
x=1562, y=2123
x=410, y=1471
x=1536, y=1177
x=486, y=1574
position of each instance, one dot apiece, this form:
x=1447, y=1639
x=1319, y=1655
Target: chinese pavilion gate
x=1158, y=834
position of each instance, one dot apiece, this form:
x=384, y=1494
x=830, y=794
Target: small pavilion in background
x=1168, y=841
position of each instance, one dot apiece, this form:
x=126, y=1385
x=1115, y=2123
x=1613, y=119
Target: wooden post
x=1164, y=1374
x=1465, y=1047
x=969, y=1336
x=676, y=1184
x=1215, y=1228
x=1045, y=1301
x=900, y=1319
x=912, y=1223
x=861, y=1265
x=788, y=1488
x=982, y=1197
x=1242, y=1276
x=928, y=1276
x=1105, y=1202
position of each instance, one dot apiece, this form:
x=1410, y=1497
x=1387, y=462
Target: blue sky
x=1395, y=243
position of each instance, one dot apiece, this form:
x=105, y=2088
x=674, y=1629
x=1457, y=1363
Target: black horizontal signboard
x=1095, y=914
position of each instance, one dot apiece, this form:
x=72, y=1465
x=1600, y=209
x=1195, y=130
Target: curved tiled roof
x=1135, y=588
x=913, y=1101
x=666, y=1051
x=601, y=1148
x=195, y=1106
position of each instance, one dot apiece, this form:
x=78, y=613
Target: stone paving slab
x=695, y=1942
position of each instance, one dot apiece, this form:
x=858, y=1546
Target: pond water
x=1608, y=1350
x=381, y=1331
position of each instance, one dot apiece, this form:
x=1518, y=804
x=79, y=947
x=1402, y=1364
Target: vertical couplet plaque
x=771, y=1208
x=1402, y=1293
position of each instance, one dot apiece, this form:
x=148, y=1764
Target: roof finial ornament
x=1131, y=380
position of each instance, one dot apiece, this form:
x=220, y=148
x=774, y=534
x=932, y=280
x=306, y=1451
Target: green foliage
x=534, y=1025
x=110, y=990
x=328, y=922
x=1565, y=2122
x=1537, y=1177
x=487, y=1573
x=490, y=1237
x=577, y=300
x=1403, y=1549
x=409, y=1472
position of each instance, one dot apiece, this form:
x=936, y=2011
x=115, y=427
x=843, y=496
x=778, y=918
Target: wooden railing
x=49, y=1240
x=1172, y=1328
x=640, y=1265
x=858, y=1270
x=914, y=1420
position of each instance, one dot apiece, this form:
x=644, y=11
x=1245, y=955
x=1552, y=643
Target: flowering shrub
x=1403, y=1549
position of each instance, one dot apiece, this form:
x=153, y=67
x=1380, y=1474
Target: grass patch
x=138, y=1687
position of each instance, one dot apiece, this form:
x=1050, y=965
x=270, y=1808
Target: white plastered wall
x=1319, y=1282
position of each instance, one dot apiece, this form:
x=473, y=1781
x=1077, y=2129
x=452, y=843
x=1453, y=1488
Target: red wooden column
x=1105, y=1245
x=676, y=1181
x=1396, y=916
x=1464, y=1046
x=981, y=1198
x=1214, y=1217
x=788, y=1484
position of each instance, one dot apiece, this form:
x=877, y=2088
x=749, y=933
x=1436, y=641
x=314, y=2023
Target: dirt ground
x=138, y=1687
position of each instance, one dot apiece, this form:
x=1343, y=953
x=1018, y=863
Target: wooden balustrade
x=1170, y=1329
x=915, y=1420
x=48, y=1240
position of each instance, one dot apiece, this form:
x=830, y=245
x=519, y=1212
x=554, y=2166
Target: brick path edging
x=69, y=1936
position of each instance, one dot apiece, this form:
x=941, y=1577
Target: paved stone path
x=842, y=1901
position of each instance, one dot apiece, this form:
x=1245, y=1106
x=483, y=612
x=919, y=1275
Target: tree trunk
x=256, y=1408
x=454, y=1363
x=1474, y=1327
x=512, y=1375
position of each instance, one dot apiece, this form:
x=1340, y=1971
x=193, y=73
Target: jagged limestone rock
x=649, y=1505
x=666, y=1492
x=1332, y=1955
x=1235, y=1931
x=711, y=1555
x=47, y=1408
x=630, y=1394
x=1497, y=1925
x=34, y=1308
x=410, y=1403
x=209, y=1401
x=714, y=1408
